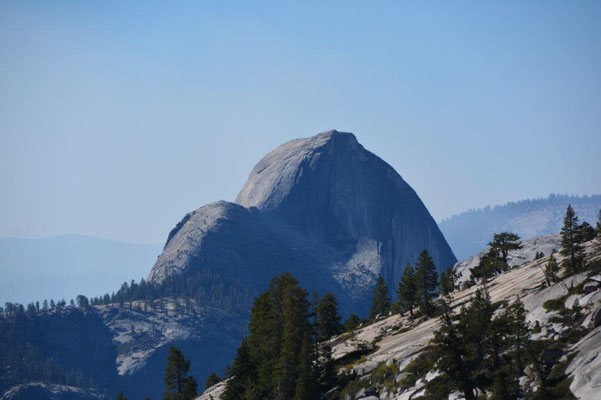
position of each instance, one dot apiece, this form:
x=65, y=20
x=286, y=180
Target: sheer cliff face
x=334, y=213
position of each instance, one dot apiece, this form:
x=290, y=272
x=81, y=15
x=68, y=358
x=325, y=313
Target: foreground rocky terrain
x=380, y=352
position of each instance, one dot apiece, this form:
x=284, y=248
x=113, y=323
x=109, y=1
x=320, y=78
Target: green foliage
x=490, y=265
x=554, y=382
x=327, y=377
x=554, y=304
x=503, y=243
x=327, y=318
x=306, y=386
x=352, y=323
x=551, y=270
x=202, y=285
x=419, y=367
x=178, y=385
x=407, y=291
x=279, y=359
x=478, y=351
x=212, y=380
x=121, y=396
x=426, y=279
x=33, y=344
x=570, y=247
x=82, y=301
x=447, y=282
x=384, y=375
x=586, y=232
x=381, y=299
x=243, y=374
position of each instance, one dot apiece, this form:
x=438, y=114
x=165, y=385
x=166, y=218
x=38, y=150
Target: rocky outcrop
x=396, y=340
x=323, y=208
x=586, y=366
x=45, y=391
x=544, y=244
x=144, y=332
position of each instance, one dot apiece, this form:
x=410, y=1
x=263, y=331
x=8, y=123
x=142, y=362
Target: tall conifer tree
x=426, y=279
x=242, y=373
x=381, y=299
x=178, y=384
x=327, y=319
x=570, y=248
x=407, y=290
x=551, y=269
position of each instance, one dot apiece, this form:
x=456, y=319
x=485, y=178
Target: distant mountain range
x=65, y=266
x=469, y=232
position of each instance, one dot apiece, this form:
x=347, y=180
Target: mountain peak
x=274, y=177
x=322, y=202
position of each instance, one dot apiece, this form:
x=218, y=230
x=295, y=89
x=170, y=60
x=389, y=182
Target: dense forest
x=47, y=347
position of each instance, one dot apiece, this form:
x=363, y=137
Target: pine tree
x=212, y=380
x=178, y=385
x=381, y=299
x=480, y=352
x=598, y=228
x=82, y=301
x=264, y=337
x=327, y=318
x=490, y=265
x=242, y=372
x=519, y=335
x=585, y=232
x=426, y=279
x=447, y=284
x=306, y=388
x=505, y=384
x=121, y=396
x=450, y=351
x=503, y=243
x=327, y=376
x=569, y=242
x=475, y=324
x=351, y=323
x=407, y=290
x=551, y=269
x=294, y=329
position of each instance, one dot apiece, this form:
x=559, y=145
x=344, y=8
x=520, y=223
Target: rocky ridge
x=471, y=230
x=397, y=340
x=545, y=244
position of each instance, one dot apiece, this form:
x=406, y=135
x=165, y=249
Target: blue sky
x=117, y=118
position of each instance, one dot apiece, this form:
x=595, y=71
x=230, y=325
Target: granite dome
x=323, y=208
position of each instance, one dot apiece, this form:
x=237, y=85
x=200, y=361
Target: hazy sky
x=117, y=118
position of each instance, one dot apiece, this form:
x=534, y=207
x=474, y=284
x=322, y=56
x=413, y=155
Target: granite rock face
x=545, y=244
x=323, y=208
x=45, y=391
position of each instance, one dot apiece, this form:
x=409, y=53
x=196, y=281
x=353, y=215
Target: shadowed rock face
x=323, y=208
